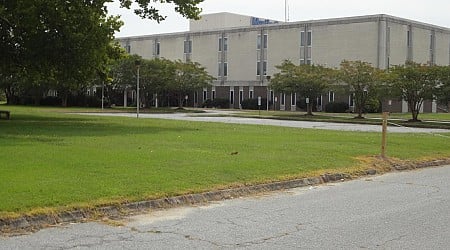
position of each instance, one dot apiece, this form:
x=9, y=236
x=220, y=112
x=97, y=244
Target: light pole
x=137, y=63
x=103, y=93
x=268, y=92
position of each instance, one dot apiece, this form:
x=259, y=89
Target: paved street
x=407, y=210
x=212, y=116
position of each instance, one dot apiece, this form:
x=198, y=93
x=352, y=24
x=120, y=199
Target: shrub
x=84, y=101
x=51, y=101
x=216, y=103
x=253, y=104
x=372, y=106
x=336, y=107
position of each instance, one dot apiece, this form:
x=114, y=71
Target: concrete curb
x=35, y=222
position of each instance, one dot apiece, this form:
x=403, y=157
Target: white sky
x=435, y=12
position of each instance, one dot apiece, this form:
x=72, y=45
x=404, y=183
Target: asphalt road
x=212, y=116
x=407, y=210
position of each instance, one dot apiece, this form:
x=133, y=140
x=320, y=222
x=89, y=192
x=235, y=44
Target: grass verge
x=52, y=160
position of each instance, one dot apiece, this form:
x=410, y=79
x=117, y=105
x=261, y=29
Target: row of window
x=331, y=97
x=262, y=42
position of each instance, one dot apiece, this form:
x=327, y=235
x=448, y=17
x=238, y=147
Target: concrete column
x=434, y=106
x=404, y=107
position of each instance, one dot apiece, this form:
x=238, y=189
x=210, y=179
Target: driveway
x=223, y=116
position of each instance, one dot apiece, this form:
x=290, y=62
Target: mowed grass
x=53, y=160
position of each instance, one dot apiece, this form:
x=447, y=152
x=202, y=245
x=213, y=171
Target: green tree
x=123, y=76
x=64, y=44
x=443, y=93
x=187, y=8
x=414, y=83
x=310, y=81
x=189, y=77
x=156, y=74
x=362, y=81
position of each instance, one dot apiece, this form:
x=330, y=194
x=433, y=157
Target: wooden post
x=383, y=135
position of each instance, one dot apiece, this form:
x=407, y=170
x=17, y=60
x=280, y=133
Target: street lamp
x=268, y=92
x=137, y=63
x=103, y=94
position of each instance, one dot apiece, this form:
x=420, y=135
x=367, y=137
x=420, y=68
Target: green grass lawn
x=50, y=159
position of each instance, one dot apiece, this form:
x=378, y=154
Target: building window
x=282, y=99
x=158, y=48
x=258, y=68
x=302, y=61
x=264, y=41
x=308, y=61
x=351, y=100
x=431, y=41
x=302, y=38
x=231, y=97
x=272, y=96
x=408, y=38
x=309, y=38
x=128, y=48
x=241, y=96
x=205, y=95
x=225, y=69
x=330, y=96
x=293, y=99
x=250, y=94
x=223, y=44
x=188, y=47
x=213, y=95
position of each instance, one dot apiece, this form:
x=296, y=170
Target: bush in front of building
x=372, y=106
x=51, y=101
x=73, y=101
x=336, y=107
x=253, y=104
x=220, y=103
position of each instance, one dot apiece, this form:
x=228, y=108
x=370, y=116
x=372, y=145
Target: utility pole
x=285, y=11
x=138, y=64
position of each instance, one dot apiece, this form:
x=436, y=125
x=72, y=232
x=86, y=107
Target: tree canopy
x=414, y=83
x=310, y=81
x=362, y=81
x=62, y=44
x=160, y=76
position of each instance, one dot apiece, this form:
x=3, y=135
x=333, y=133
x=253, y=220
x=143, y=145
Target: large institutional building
x=242, y=51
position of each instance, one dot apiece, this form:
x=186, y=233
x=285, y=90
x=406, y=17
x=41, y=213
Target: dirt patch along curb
x=32, y=223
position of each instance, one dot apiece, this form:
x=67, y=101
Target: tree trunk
x=414, y=111
x=64, y=100
x=359, y=106
x=309, y=109
x=9, y=96
x=180, y=101
x=359, y=110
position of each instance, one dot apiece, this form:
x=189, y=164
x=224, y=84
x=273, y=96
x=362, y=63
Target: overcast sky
x=429, y=11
